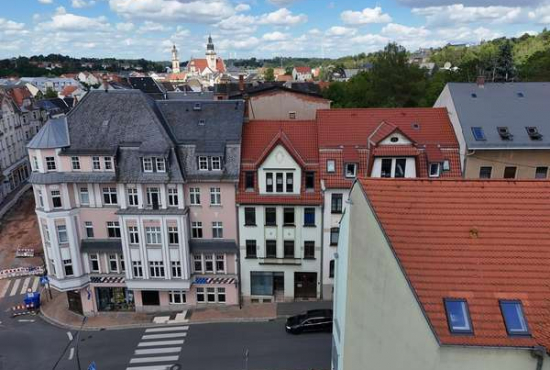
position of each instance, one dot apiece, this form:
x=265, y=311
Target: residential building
x=279, y=205
x=42, y=84
x=502, y=128
x=388, y=143
x=443, y=274
x=113, y=211
x=302, y=74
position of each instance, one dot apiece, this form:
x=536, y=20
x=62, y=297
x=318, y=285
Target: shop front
x=114, y=299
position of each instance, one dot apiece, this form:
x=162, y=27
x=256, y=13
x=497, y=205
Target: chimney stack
x=481, y=82
x=241, y=83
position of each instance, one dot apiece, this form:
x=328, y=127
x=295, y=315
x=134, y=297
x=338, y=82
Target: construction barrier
x=21, y=271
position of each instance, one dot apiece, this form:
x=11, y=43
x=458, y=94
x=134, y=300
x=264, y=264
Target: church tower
x=175, y=60
x=211, y=57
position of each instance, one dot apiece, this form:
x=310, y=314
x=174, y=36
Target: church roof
x=202, y=64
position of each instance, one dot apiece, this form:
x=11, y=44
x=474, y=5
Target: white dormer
x=280, y=174
x=395, y=139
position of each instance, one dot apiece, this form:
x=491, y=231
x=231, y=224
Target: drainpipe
x=323, y=190
x=239, y=291
x=538, y=353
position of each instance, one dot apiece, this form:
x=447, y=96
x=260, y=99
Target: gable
x=396, y=138
x=279, y=158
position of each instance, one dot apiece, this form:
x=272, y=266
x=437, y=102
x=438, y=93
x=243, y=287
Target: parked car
x=310, y=321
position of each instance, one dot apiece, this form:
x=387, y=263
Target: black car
x=309, y=321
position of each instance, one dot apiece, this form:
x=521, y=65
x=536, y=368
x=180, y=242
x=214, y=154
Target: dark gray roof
x=101, y=245
x=190, y=95
x=129, y=168
x=213, y=246
x=501, y=105
x=72, y=177
x=53, y=135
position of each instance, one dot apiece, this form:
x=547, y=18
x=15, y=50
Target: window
x=290, y=183
x=108, y=161
x=161, y=165
x=514, y=319
x=279, y=182
x=122, y=264
x=176, y=269
x=309, y=217
x=310, y=180
x=291, y=115
x=271, y=216
x=485, y=172
x=56, y=199
x=271, y=248
x=220, y=263
x=434, y=169
x=35, y=166
x=215, y=196
x=200, y=295
x=400, y=166
x=153, y=198
x=52, y=267
x=478, y=133
x=137, y=268
x=336, y=203
x=331, y=269
x=40, y=198
x=198, y=263
x=217, y=230
x=89, y=229
x=458, y=316
x=147, y=165
x=156, y=269
x=504, y=133
x=84, y=196
x=249, y=180
x=113, y=263
x=211, y=295
x=309, y=249
x=208, y=264
x=62, y=234
x=195, y=196
x=152, y=235
x=132, y=197
x=76, y=163
x=288, y=216
x=113, y=229
x=269, y=182
x=510, y=172
x=50, y=163
x=221, y=295
x=541, y=173
x=386, y=167
x=196, y=230
x=216, y=163
x=331, y=166
x=109, y=196
x=250, y=216
x=173, y=197
x=289, y=249
x=351, y=169
x=96, y=165
x=133, y=234
x=446, y=165
x=251, y=249
x=533, y=133
x=173, y=235
x=94, y=263
x=203, y=163
x=177, y=297
x=68, y=267
x=334, y=234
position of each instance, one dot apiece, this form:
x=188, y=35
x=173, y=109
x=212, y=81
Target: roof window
x=512, y=313
x=202, y=122
x=458, y=316
x=416, y=126
x=521, y=95
x=197, y=106
x=504, y=133
x=478, y=133
x=474, y=95
x=533, y=133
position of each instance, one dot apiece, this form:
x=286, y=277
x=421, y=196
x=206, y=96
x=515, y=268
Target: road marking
x=35, y=284
x=162, y=343
x=156, y=351
x=71, y=354
x=4, y=287
x=70, y=335
x=157, y=367
x=24, y=286
x=164, y=336
x=14, y=287
x=154, y=359
x=25, y=320
x=174, y=328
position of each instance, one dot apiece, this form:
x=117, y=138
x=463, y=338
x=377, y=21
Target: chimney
x=105, y=84
x=241, y=83
x=481, y=82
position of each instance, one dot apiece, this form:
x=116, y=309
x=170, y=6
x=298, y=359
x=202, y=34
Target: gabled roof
x=268, y=87
x=478, y=240
x=202, y=64
x=68, y=90
x=52, y=135
x=512, y=105
x=146, y=84
x=303, y=70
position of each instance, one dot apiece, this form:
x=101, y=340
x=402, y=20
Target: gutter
x=538, y=353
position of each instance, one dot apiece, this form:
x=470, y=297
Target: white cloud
x=398, y=30
x=180, y=33
x=45, y=1
x=82, y=3
x=282, y=3
x=370, y=39
x=60, y=10
x=75, y=23
x=541, y=14
x=275, y=36
x=7, y=25
x=426, y=3
x=340, y=31
x=282, y=17
x=239, y=23
x=242, y=7
x=460, y=14
x=125, y=26
x=248, y=43
x=149, y=26
x=366, y=16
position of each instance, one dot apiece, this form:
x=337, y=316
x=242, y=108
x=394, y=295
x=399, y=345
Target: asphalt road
x=28, y=343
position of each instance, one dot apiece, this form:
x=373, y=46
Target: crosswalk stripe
x=14, y=287
x=156, y=367
x=35, y=284
x=25, y=285
x=157, y=351
x=4, y=285
x=172, y=328
x=162, y=343
x=164, y=336
x=141, y=360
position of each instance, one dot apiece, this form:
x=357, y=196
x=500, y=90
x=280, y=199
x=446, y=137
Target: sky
x=255, y=28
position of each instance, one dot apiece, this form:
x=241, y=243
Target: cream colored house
x=430, y=277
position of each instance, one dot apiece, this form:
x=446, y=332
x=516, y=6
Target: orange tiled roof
x=19, y=94
x=68, y=90
x=478, y=240
x=303, y=70
x=202, y=64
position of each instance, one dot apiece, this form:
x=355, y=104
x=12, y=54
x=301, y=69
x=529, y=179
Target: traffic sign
x=92, y=366
x=44, y=280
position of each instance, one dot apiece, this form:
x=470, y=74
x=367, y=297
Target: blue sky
x=260, y=28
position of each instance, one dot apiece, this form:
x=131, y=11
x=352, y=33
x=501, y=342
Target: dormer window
x=504, y=133
x=161, y=165
x=331, y=166
x=147, y=165
x=96, y=164
x=50, y=163
x=203, y=163
x=108, y=163
x=435, y=169
x=351, y=170
x=533, y=133
x=216, y=163
x=394, y=139
x=197, y=107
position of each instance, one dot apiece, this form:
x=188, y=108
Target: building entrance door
x=279, y=286
x=75, y=302
x=305, y=285
x=150, y=297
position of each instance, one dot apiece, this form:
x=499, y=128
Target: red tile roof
x=395, y=151
x=19, y=94
x=478, y=240
x=202, y=64
x=68, y=90
x=303, y=70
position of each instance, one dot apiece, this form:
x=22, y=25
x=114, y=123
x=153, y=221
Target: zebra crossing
x=159, y=348
x=19, y=286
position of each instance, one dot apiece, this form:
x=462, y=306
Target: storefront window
x=261, y=283
x=115, y=299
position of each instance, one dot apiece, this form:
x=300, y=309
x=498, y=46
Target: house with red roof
x=443, y=274
x=209, y=68
x=387, y=143
x=302, y=74
x=279, y=206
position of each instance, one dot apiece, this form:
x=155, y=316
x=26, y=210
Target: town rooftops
x=52, y=135
x=482, y=109
x=303, y=70
x=479, y=241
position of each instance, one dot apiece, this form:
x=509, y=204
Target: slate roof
x=477, y=240
x=500, y=104
x=146, y=84
x=53, y=134
x=297, y=88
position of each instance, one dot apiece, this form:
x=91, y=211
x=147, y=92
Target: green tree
x=50, y=93
x=537, y=67
x=505, y=69
x=269, y=75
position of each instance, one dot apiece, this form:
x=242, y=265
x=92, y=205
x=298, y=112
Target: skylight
x=474, y=95
x=521, y=95
x=504, y=133
x=458, y=316
x=478, y=133
x=533, y=133
x=512, y=312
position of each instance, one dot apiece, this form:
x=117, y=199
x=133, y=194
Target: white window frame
x=198, y=258
x=50, y=164
x=438, y=173
x=156, y=269
x=195, y=196
x=160, y=164
x=347, y=173
x=209, y=258
x=147, y=164
x=203, y=163
x=217, y=230
x=200, y=291
x=196, y=225
x=114, y=225
x=133, y=235
x=153, y=235
x=62, y=230
x=109, y=191
x=331, y=166
x=215, y=196
x=94, y=257
x=35, y=165
x=40, y=198
x=108, y=163
x=96, y=164
x=56, y=194
x=216, y=163
x=84, y=200
x=67, y=263
x=176, y=269
x=220, y=258
x=88, y=225
x=137, y=269
x=173, y=200
x=173, y=234
x=133, y=199
x=115, y=260
x=75, y=162
x=177, y=297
